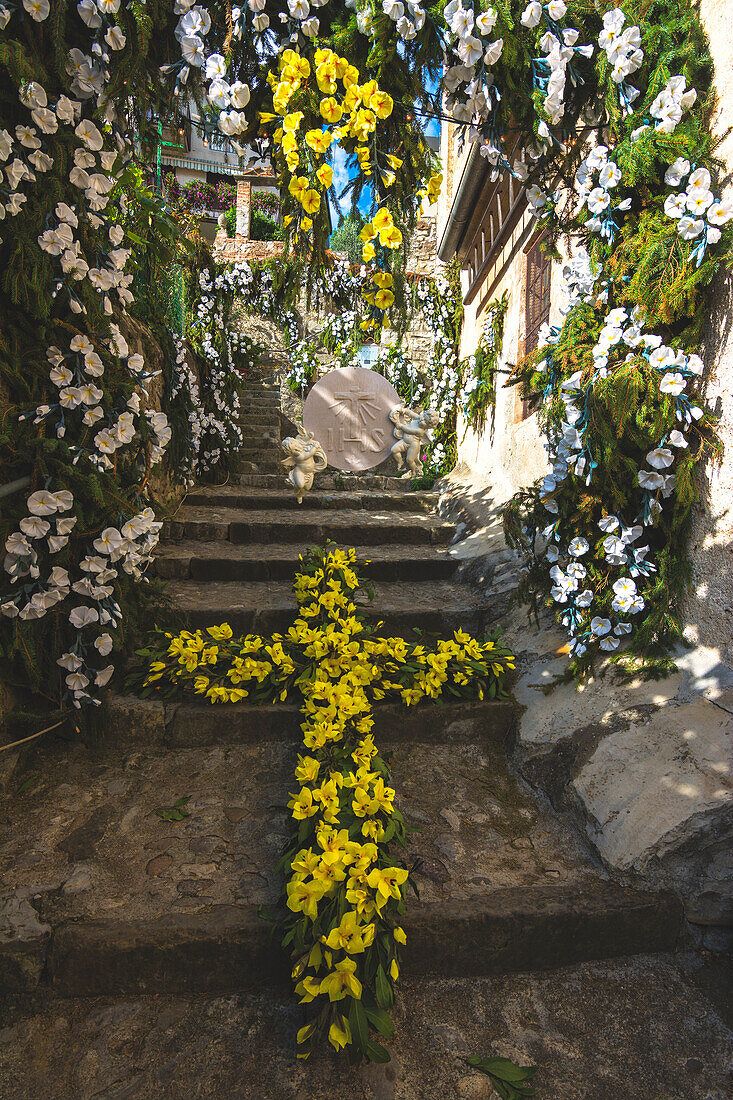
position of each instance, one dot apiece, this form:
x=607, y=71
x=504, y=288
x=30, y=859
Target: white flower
x=673, y=383
x=578, y=547
x=83, y=616
x=719, y=213
x=556, y=9
x=625, y=587
x=698, y=200
x=650, y=480
x=661, y=357
x=192, y=48
x=608, y=523
x=676, y=172
x=103, y=644
x=660, y=458
x=87, y=132
x=88, y=12
x=37, y=9
x=493, y=53
x=609, y=643
x=239, y=94
x=42, y=503
x=261, y=22
x=598, y=200
x=104, y=676
x=109, y=541
x=584, y=599
x=115, y=39
x=600, y=626
x=35, y=527
x=486, y=22
x=69, y=661
x=470, y=50
x=610, y=175
x=675, y=206
x=215, y=66
x=699, y=180
x=532, y=14
x=677, y=439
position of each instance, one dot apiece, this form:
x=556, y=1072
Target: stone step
x=266, y=466
x=261, y=405
x=105, y=897
x=267, y=606
x=221, y=561
x=233, y=496
x=307, y=528
x=135, y=722
x=256, y=420
x=334, y=480
x=653, y=1016
x=268, y=454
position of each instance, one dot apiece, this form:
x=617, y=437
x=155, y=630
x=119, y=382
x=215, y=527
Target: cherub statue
x=306, y=458
x=412, y=429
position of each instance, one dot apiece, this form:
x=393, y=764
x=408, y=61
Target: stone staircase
x=106, y=896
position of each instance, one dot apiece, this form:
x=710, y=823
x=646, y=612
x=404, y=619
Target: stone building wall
x=644, y=768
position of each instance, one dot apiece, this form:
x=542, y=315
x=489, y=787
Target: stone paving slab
x=439, y=607
x=350, y=526
x=135, y=901
x=599, y=1031
x=333, y=479
x=224, y=561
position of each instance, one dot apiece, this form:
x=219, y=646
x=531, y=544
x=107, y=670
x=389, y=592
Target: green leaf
x=377, y=1053
x=176, y=812
x=385, y=994
x=359, y=1024
x=381, y=1021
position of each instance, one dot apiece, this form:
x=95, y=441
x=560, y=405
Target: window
x=536, y=307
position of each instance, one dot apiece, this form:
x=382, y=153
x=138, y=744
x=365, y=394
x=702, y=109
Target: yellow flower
x=339, y=1033
x=302, y=804
x=308, y=989
x=303, y=897
x=367, y=252
x=394, y=970
x=307, y=769
x=318, y=140
x=381, y=104
x=310, y=201
x=289, y=142
x=387, y=882
x=325, y=175
x=342, y=980
x=399, y=935
x=292, y=122
x=306, y=224
x=381, y=220
x=331, y=110
x=367, y=91
x=390, y=237
x=351, y=935
x=393, y=161
x=382, y=279
x=220, y=633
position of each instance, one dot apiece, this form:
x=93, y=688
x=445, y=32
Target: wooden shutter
x=536, y=306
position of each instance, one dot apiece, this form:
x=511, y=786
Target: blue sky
x=342, y=174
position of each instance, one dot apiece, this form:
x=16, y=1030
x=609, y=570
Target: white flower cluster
x=699, y=215
x=657, y=483
x=580, y=281
x=184, y=382
x=671, y=103
x=408, y=17
x=622, y=47
x=42, y=587
x=596, y=181
x=220, y=425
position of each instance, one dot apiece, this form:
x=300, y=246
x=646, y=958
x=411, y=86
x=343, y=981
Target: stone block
x=651, y=788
